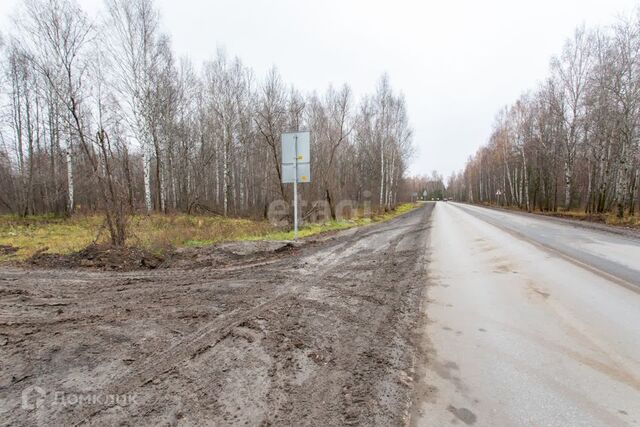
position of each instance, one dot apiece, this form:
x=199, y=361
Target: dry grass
x=152, y=232
x=629, y=221
x=43, y=233
x=609, y=218
x=604, y=218
x=317, y=228
x=156, y=233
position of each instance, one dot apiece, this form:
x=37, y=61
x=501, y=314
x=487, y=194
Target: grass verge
x=318, y=228
x=604, y=218
x=609, y=218
x=20, y=238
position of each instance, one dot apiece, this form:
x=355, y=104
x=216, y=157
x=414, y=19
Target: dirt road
x=322, y=334
x=532, y=322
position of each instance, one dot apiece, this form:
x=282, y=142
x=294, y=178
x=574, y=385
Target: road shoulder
x=614, y=229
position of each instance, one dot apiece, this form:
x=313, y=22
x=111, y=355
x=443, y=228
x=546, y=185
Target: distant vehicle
x=445, y=200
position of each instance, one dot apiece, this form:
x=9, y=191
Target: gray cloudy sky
x=457, y=62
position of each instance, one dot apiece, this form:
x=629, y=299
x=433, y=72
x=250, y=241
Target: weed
x=155, y=233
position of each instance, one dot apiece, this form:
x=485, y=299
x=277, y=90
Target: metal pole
x=295, y=194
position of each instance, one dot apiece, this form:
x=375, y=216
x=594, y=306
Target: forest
x=572, y=142
x=100, y=115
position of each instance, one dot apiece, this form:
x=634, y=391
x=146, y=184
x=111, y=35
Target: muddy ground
x=322, y=333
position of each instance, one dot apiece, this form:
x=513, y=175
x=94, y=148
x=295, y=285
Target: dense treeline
x=100, y=115
x=433, y=186
x=573, y=142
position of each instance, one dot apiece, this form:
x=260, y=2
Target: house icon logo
x=33, y=397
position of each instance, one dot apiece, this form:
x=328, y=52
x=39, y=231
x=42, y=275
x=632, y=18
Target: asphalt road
x=615, y=256
x=532, y=322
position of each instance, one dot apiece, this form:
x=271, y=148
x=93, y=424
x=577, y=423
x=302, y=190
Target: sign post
x=296, y=166
x=295, y=192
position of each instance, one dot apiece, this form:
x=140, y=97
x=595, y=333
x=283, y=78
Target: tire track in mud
x=209, y=336
x=357, y=291
x=371, y=368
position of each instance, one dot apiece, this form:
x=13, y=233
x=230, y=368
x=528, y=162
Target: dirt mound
x=225, y=254
x=106, y=257
x=102, y=257
x=7, y=250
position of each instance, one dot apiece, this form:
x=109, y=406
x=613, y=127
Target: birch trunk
x=146, y=164
x=622, y=184
x=225, y=174
x=70, y=189
x=525, y=181
x=568, y=179
x=381, y=174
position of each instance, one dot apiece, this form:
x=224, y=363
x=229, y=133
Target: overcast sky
x=457, y=62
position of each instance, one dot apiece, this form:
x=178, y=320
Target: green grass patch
x=59, y=235
x=336, y=225
x=311, y=229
